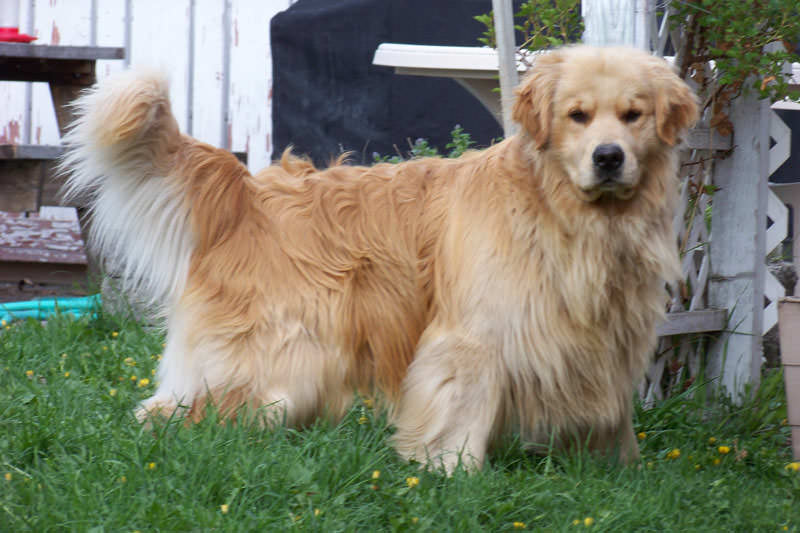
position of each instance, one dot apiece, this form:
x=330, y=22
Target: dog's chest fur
x=568, y=310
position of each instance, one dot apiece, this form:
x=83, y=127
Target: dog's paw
x=155, y=408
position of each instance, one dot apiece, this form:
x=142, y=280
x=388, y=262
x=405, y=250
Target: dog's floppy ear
x=534, y=97
x=675, y=102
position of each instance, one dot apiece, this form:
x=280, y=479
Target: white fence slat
x=698, y=298
x=782, y=136
x=15, y=115
x=208, y=87
x=251, y=79
x=66, y=23
x=110, y=32
x=12, y=120
x=608, y=22
x=160, y=39
x=779, y=214
x=773, y=290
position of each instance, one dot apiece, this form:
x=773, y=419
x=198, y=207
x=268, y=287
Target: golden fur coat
x=514, y=288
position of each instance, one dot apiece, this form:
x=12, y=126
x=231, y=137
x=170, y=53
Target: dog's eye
x=578, y=116
x=631, y=115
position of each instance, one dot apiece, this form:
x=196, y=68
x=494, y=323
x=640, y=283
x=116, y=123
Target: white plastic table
x=473, y=67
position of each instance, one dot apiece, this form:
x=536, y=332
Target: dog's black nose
x=608, y=157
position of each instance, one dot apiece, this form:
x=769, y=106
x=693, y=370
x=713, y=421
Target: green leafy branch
x=542, y=24
x=734, y=45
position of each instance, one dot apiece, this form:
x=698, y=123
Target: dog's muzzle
x=608, y=160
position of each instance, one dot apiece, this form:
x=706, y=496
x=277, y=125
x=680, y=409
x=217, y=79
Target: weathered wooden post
x=507, y=58
x=738, y=247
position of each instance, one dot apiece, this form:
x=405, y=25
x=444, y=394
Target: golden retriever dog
x=515, y=288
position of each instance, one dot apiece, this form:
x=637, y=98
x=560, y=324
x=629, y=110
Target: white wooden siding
x=217, y=53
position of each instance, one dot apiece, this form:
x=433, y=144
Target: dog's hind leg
x=280, y=371
x=451, y=403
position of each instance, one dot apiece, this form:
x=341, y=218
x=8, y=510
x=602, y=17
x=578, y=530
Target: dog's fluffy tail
x=120, y=152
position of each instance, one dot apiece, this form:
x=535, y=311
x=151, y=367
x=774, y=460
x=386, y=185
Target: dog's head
x=601, y=112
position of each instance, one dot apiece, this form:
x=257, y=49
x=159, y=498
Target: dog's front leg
x=178, y=376
x=451, y=402
x=619, y=441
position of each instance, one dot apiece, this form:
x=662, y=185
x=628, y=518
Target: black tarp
x=329, y=98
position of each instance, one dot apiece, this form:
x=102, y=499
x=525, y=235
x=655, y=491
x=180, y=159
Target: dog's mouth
x=607, y=188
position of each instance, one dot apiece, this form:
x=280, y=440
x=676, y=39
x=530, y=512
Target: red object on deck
x=13, y=35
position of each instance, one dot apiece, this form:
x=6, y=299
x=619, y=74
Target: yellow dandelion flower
x=717, y=461
x=785, y=528
x=151, y=466
x=641, y=435
x=576, y=522
x=674, y=453
x=3, y=323
x=153, y=372
x=412, y=482
x=519, y=525
x=105, y=348
x=29, y=373
x=368, y=403
x=376, y=474
x=724, y=449
x=8, y=476
x=66, y=374
x=794, y=467
x=130, y=361
x=224, y=508
x=134, y=378
x=144, y=382
x=115, y=334
x=712, y=440
x=362, y=419
x=588, y=521
x=317, y=512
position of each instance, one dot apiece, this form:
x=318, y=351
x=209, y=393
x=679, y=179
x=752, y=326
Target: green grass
x=72, y=458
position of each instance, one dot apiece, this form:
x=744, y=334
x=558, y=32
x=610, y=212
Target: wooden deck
x=42, y=248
